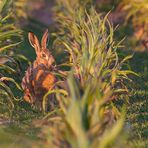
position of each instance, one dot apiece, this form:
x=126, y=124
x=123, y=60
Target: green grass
x=137, y=110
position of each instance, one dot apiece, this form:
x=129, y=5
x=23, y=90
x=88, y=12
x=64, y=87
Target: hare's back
x=27, y=79
x=28, y=85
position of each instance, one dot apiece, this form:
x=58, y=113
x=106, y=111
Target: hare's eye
x=44, y=55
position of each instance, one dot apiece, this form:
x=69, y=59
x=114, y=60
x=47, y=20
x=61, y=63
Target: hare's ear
x=44, y=41
x=34, y=41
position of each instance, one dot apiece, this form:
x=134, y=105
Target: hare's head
x=43, y=54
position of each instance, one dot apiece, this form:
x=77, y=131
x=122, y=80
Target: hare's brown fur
x=39, y=78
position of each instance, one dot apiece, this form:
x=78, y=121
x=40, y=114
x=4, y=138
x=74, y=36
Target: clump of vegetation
x=9, y=30
x=83, y=120
x=125, y=12
x=10, y=37
x=91, y=49
x=136, y=12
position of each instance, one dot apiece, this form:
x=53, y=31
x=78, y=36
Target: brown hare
x=39, y=78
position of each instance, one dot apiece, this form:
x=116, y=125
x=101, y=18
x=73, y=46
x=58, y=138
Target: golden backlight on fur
x=38, y=78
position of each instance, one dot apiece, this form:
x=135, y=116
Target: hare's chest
x=43, y=80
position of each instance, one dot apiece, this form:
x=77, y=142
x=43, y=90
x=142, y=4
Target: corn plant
x=10, y=37
x=92, y=49
x=8, y=27
x=136, y=11
x=83, y=119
